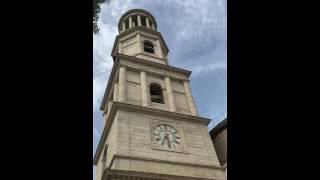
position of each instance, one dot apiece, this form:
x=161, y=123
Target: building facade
x=152, y=129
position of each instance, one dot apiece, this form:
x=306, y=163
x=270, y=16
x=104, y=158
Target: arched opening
x=148, y=46
x=143, y=21
x=151, y=25
x=156, y=93
x=127, y=23
x=134, y=21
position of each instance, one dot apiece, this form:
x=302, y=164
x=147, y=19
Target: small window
x=156, y=93
x=148, y=47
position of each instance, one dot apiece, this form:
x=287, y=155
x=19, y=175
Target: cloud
x=201, y=70
x=195, y=19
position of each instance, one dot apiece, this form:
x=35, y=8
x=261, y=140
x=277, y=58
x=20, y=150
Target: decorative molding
x=163, y=161
x=109, y=174
x=150, y=55
x=140, y=61
x=182, y=147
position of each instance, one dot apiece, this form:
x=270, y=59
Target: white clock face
x=167, y=136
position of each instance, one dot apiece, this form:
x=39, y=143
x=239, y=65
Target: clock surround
x=167, y=136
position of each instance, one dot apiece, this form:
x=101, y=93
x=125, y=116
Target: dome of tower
x=137, y=17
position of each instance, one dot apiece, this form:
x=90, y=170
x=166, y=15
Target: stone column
x=139, y=20
x=165, y=97
x=122, y=84
x=130, y=22
x=139, y=44
x=153, y=27
x=120, y=47
x=123, y=26
x=159, y=49
x=144, y=92
x=191, y=104
x=171, y=103
x=148, y=23
x=115, y=91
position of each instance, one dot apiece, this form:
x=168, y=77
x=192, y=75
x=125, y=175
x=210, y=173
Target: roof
x=219, y=128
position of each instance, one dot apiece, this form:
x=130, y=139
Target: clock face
x=166, y=136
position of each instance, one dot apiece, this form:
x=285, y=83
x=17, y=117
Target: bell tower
x=151, y=126
x=139, y=37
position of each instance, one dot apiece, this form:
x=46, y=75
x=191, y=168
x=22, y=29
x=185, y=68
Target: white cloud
x=204, y=18
x=209, y=61
x=203, y=69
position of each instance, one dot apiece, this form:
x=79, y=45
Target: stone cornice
x=139, y=61
x=147, y=110
x=134, y=175
x=160, y=112
x=152, y=56
x=154, y=65
x=137, y=28
x=113, y=173
x=164, y=161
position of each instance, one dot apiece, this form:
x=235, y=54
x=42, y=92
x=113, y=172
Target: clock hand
x=169, y=145
x=164, y=138
x=168, y=140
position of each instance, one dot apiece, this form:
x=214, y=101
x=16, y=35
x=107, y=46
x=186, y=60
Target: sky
x=195, y=32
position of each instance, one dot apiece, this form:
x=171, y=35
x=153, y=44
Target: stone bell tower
x=151, y=126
